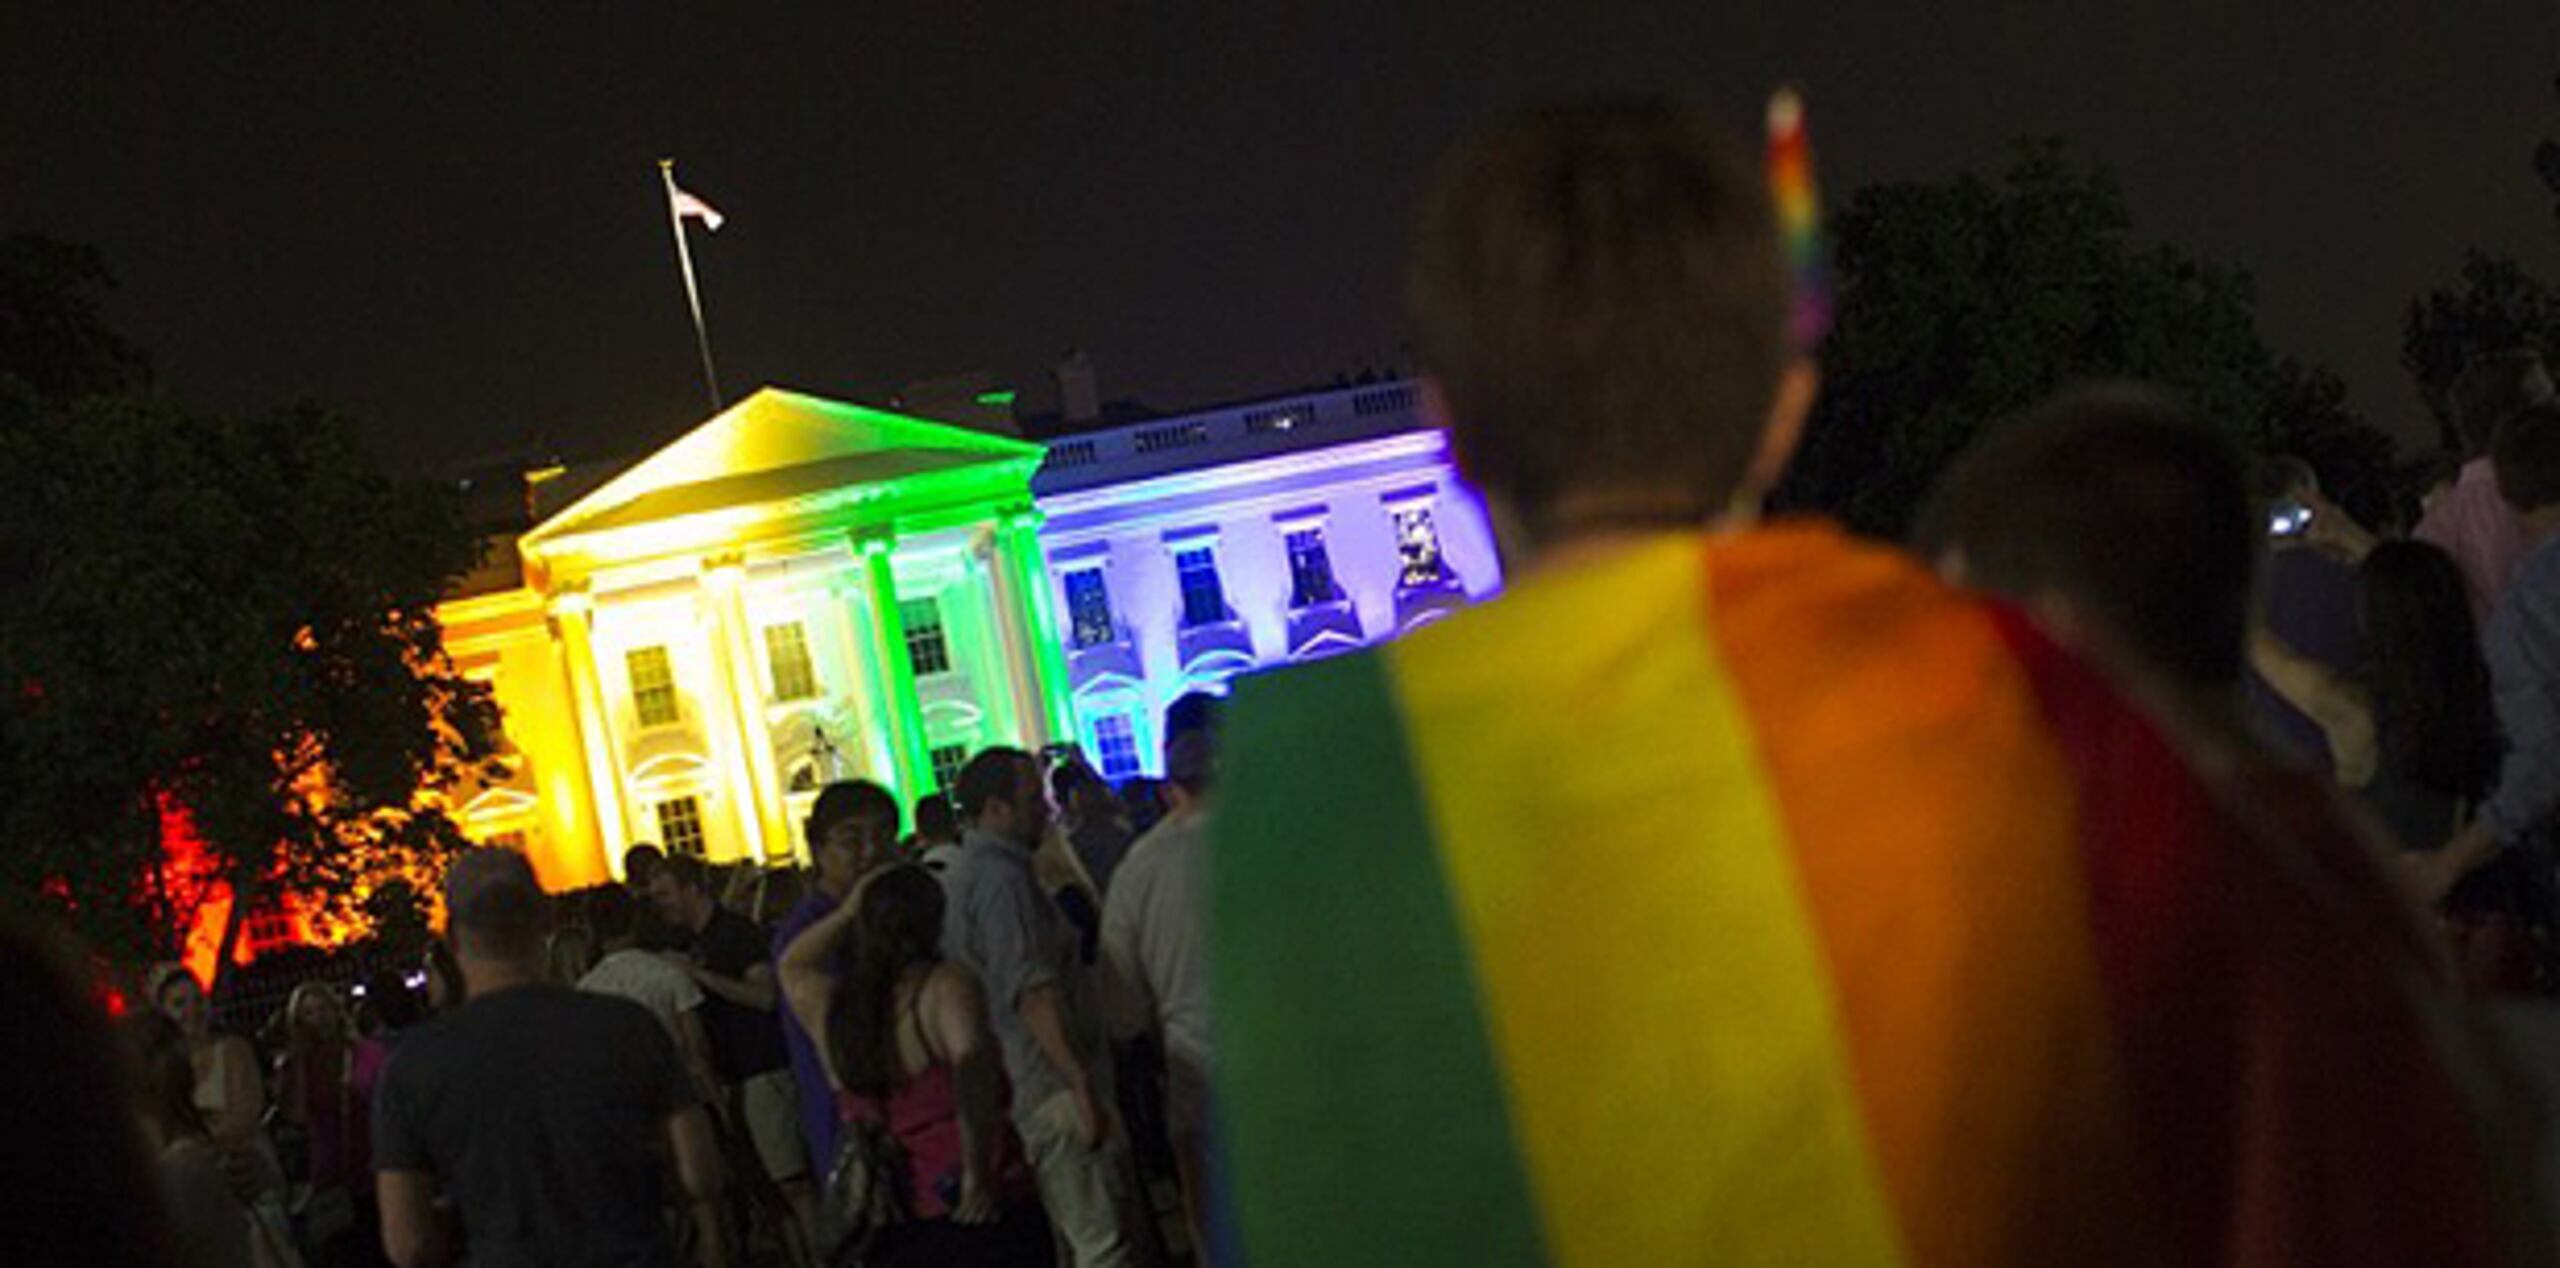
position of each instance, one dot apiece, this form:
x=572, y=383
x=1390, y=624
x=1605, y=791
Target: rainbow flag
x=1789, y=165
x=1760, y=900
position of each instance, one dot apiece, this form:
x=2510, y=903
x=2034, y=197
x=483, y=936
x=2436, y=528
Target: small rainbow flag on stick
x=1799, y=219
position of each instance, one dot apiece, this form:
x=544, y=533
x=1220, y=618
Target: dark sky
x=446, y=219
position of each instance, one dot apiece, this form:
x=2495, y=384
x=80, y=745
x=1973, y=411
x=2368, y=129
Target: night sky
x=446, y=219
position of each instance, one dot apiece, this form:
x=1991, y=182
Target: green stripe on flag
x=1364, y=1116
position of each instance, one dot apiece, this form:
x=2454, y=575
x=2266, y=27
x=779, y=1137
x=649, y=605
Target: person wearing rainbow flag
x=1744, y=893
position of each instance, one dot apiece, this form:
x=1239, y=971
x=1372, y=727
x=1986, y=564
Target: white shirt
x=646, y=980
x=1151, y=937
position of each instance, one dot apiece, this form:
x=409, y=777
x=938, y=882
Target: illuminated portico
x=798, y=590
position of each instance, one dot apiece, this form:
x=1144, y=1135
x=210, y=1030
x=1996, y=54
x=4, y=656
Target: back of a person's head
x=2526, y=456
x=846, y=800
x=897, y=925
x=2281, y=476
x=2430, y=683
x=2495, y=387
x=614, y=913
x=1191, y=760
x=994, y=775
x=1598, y=291
x=687, y=873
x=494, y=907
x=1192, y=711
x=73, y=1162
x=163, y=1074
x=1072, y=778
x=2114, y=501
x=394, y=1003
x=935, y=820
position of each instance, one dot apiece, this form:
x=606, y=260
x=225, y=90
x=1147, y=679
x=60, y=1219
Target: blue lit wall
x=1353, y=472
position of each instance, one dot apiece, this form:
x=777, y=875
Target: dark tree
x=227, y=619
x=2495, y=307
x=1963, y=302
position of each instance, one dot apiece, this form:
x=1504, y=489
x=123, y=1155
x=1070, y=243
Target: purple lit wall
x=1184, y=551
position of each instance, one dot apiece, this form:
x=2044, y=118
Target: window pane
x=1204, y=601
x=787, y=647
x=680, y=826
x=947, y=761
x=927, y=653
x=1310, y=569
x=1089, y=609
x=1418, y=547
x=1116, y=743
x=653, y=685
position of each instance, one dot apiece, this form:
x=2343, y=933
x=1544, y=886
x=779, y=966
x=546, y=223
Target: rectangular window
x=653, y=685
x=271, y=930
x=1089, y=609
x=680, y=826
x=1310, y=569
x=947, y=761
x=927, y=653
x=1117, y=745
x=1204, y=600
x=1418, y=547
x=787, y=647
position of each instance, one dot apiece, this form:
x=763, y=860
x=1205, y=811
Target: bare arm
x=1042, y=1014
x=807, y=984
x=2345, y=719
x=694, y=1047
x=755, y=990
x=955, y=1016
x=412, y=1235
x=244, y=1097
x=699, y=1173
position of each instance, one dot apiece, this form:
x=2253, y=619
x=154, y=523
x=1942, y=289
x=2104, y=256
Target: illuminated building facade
x=801, y=590
x=1183, y=551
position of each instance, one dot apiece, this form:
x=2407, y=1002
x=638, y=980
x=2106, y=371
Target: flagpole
x=692, y=293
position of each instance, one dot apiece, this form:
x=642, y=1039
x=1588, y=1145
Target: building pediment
x=779, y=456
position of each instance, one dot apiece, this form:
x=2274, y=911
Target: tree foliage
x=2495, y=306
x=225, y=619
x=1965, y=301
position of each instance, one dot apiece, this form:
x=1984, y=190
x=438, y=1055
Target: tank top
x=923, y=1116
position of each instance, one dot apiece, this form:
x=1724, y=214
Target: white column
x=752, y=768
x=573, y=635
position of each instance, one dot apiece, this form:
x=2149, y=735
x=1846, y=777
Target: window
x=1418, y=546
x=270, y=930
x=947, y=761
x=680, y=826
x=787, y=647
x=1117, y=745
x=653, y=685
x=927, y=653
x=1310, y=569
x=1204, y=601
x=1089, y=609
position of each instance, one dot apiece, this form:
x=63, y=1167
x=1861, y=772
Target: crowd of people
x=540, y=1118
x=975, y=1030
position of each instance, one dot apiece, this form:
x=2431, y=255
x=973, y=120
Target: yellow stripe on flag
x=1659, y=1005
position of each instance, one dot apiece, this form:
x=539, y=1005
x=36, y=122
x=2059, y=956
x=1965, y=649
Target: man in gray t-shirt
x=998, y=924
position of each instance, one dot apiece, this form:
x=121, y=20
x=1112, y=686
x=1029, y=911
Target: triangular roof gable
x=776, y=444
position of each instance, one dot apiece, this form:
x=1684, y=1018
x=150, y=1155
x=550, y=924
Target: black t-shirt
x=543, y=1111
x=744, y=1041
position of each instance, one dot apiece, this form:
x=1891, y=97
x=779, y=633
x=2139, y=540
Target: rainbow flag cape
x=1761, y=900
